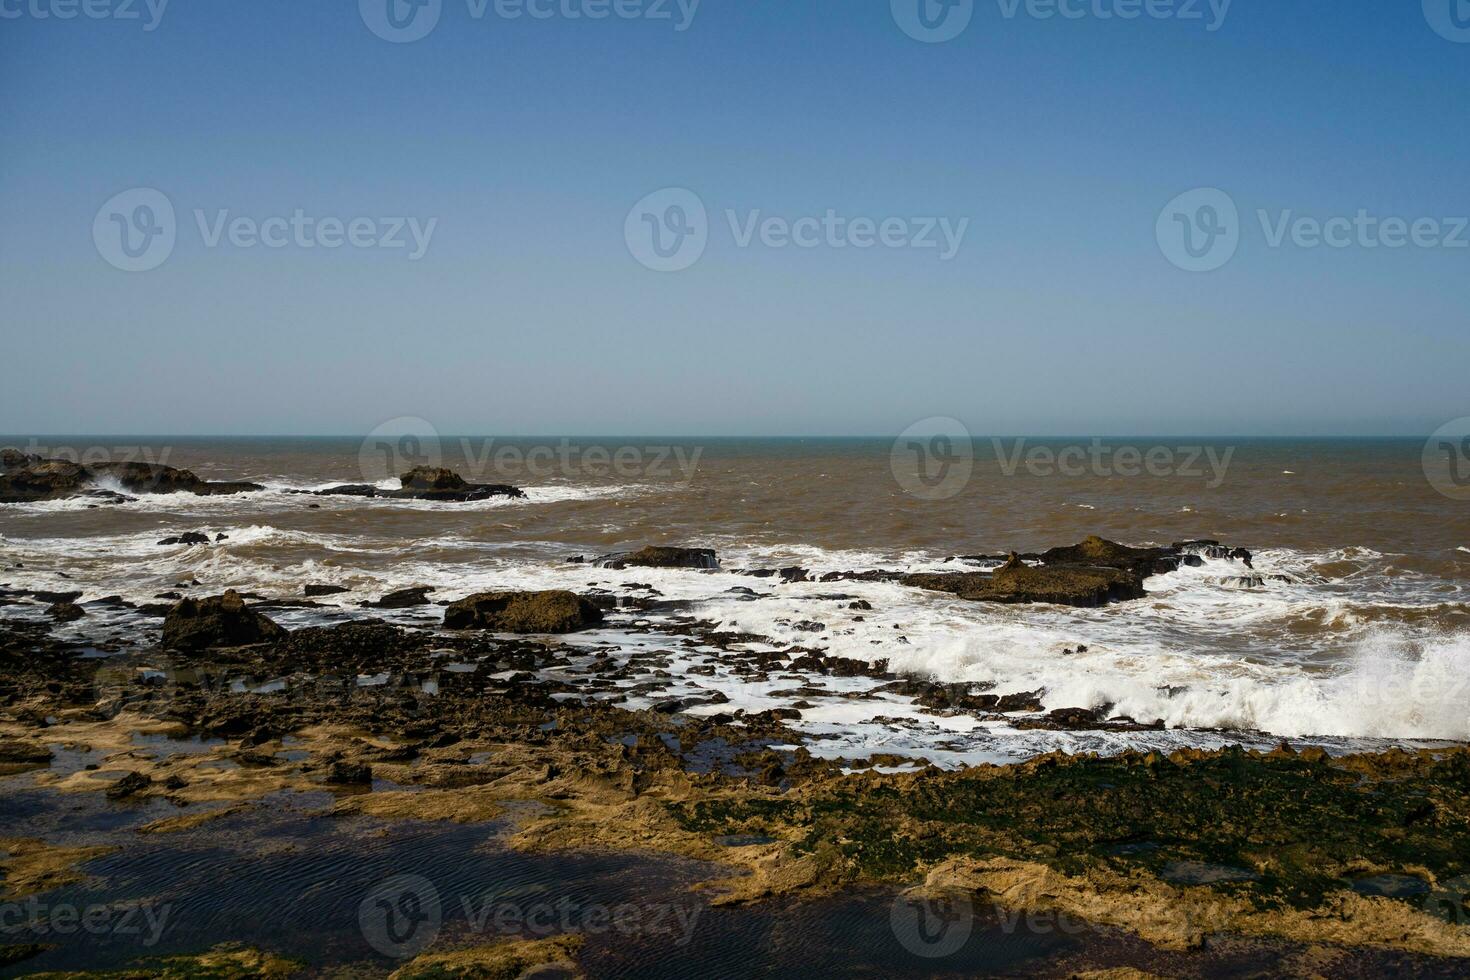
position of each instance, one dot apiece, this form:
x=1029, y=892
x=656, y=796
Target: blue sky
x=527, y=141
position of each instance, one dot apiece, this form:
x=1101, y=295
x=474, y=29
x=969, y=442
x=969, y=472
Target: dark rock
x=41, y=595
x=523, y=612
x=862, y=605
x=350, y=774
x=218, y=621
x=14, y=459
x=1073, y=718
x=130, y=785
x=404, y=598
x=316, y=591
x=1065, y=585
x=429, y=479
x=188, y=537
x=65, y=612
x=13, y=750
x=662, y=557
x=48, y=479
x=428, y=483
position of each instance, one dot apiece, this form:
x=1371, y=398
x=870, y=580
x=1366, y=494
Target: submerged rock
x=523, y=612
x=217, y=621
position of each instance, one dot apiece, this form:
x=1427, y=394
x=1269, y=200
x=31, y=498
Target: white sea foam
x=1194, y=653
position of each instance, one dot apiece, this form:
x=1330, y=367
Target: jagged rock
x=429, y=479
x=14, y=459
x=217, y=621
x=662, y=557
x=523, y=612
x=51, y=479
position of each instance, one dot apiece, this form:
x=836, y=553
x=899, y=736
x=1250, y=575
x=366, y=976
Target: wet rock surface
x=662, y=557
x=1092, y=573
x=29, y=478
x=427, y=483
x=218, y=621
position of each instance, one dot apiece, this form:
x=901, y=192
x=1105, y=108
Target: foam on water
x=1200, y=652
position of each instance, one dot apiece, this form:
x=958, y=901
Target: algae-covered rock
x=554, y=611
x=501, y=961
x=217, y=621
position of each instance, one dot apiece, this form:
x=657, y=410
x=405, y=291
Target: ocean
x=1351, y=628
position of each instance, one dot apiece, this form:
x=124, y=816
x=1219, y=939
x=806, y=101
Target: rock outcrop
x=428, y=483
x=28, y=478
x=1093, y=572
x=217, y=621
x=523, y=612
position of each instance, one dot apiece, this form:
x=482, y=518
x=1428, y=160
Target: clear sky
x=528, y=141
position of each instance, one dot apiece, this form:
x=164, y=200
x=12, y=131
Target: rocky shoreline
x=28, y=478
x=1281, y=845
